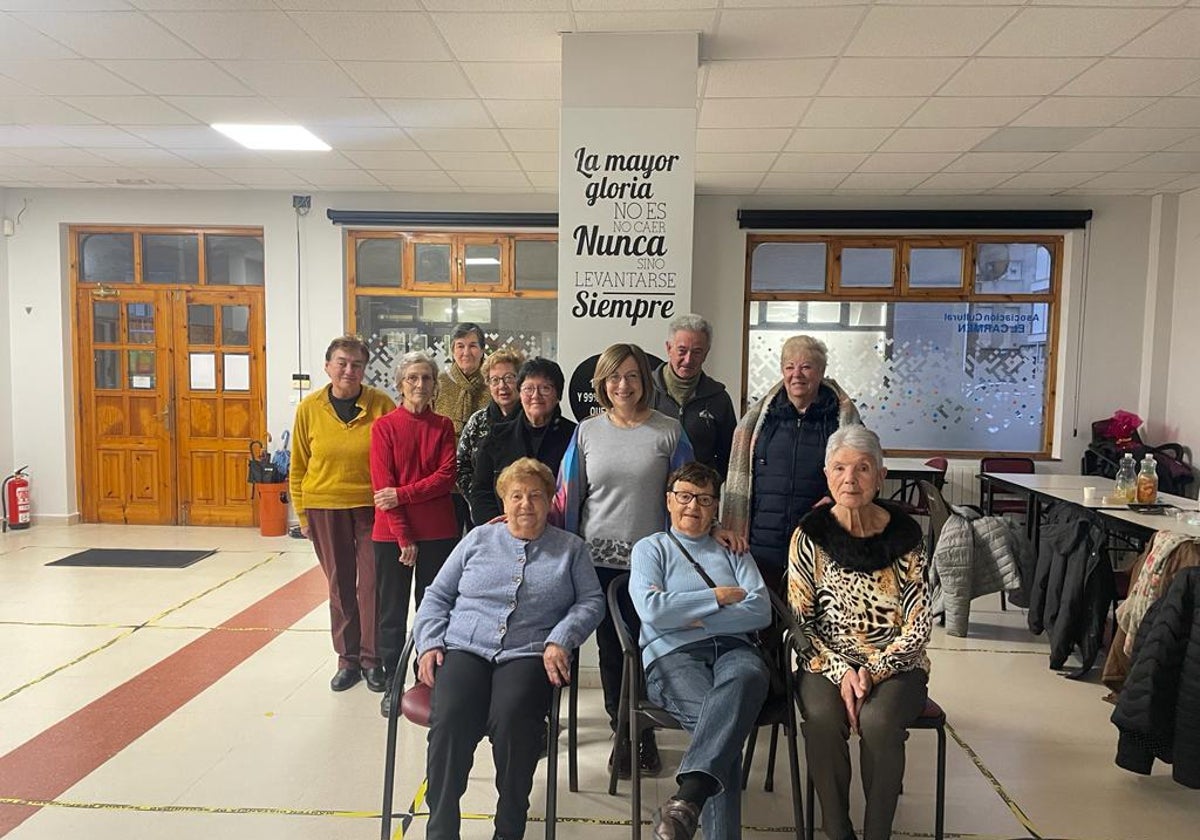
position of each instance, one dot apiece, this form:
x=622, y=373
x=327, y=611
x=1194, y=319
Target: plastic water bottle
x=1126, y=489
x=1147, y=482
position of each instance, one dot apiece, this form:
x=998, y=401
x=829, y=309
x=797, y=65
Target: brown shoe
x=677, y=819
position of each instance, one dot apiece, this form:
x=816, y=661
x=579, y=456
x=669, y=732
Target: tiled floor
x=146, y=712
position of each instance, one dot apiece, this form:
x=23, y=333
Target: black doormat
x=135, y=558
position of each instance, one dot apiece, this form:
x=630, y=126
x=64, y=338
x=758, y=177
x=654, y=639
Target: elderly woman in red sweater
x=412, y=470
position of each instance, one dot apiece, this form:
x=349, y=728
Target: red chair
x=1002, y=503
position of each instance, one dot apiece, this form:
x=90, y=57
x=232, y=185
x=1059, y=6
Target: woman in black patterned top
x=857, y=575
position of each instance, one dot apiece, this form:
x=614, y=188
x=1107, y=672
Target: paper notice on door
x=136, y=381
x=204, y=371
x=237, y=372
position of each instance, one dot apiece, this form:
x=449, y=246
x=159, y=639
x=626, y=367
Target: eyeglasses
x=540, y=390
x=685, y=498
x=497, y=381
x=628, y=378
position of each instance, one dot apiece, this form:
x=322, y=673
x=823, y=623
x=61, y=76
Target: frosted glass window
x=868, y=268
x=788, y=267
x=935, y=268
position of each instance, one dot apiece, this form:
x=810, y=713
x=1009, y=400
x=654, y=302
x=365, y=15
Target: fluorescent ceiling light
x=286, y=138
x=482, y=261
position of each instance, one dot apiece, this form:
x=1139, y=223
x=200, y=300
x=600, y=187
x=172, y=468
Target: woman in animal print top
x=857, y=576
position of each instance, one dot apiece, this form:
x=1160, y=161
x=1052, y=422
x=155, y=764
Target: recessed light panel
x=284, y=138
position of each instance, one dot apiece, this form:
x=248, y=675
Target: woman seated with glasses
x=699, y=602
x=538, y=431
x=500, y=374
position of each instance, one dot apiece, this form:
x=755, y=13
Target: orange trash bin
x=272, y=509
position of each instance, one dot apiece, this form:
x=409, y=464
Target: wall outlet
x=301, y=382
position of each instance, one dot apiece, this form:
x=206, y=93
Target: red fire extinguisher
x=16, y=500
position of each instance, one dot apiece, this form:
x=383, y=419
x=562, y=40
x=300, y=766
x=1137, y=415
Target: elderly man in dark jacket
x=684, y=391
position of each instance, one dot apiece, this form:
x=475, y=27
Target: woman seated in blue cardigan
x=699, y=602
x=493, y=635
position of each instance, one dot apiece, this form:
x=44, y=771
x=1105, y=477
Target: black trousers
x=473, y=697
x=609, y=644
x=393, y=584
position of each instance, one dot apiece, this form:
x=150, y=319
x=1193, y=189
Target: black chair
x=415, y=703
x=1103, y=456
x=932, y=717
x=638, y=713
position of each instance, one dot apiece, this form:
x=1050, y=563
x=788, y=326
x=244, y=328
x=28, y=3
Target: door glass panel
x=872, y=268
x=106, y=322
x=483, y=264
x=201, y=327
x=202, y=371
x=233, y=260
x=431, y=263
x=377, y=262
x=1011, y=268
x=536, y=265
x=235, y=325
x=140, y=322
x=108, y=369
x=141, y=369
x=935, y=268
x=171, y=258
x=237, y=372
x=106, y=257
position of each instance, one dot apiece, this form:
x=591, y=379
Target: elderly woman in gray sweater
x=494, y=635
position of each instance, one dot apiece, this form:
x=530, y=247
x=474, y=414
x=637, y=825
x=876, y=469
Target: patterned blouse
x=866, y=596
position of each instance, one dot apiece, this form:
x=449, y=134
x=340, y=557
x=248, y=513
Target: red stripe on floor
x=52, y=762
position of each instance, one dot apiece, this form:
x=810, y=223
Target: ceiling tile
x=889, y=76
x=368, y=138
x=183, y=137
x=524, y=113
x=410, y=79
x=1046, y=180
x=95, y=136
x=130, y=110
x=907, y=162
x=538, y=161
x=392, y=160
x=141, y=157
x=970, y=111
x=20, y=41
x=179, y=78
x=1014, y=76
x=66, y=78
x=735, y=183
x=758, y=162
x=228, y=109
x=515, y=79
x=783, y=33
x=1134, y=139
x=964, y=180
x=415, y=179
x=14, y=135
x=1070, y=32
x=893, y=31
x=1185, y=184
x=239, y=35
x=186, y=176
x=38, y=174
x=1035, y=139
x=1173, y=112
x=741, y=139
x=475, y=161
x=819, y=162
x=40, y=110
x=1081, y=111
x=289, y=78
x=1087, y=161
x=1191, y=144
x=997, y=161
x=230, y=158
x=1177, y=36
x=109, y=34
x=531, y=139
x=261, y=178
x=11, y=87
x=491, y=180
x=58, y=156
x=837, y=139
x=370, y=36
x=1134, y=77
x=800, y=181
x=341, y=179
x=1133, y=180
x=750, y=113
x=882, y=180
x=510, y=5
x=773, y=77
x=934, y=139
x=545, y=181
x=315, y=113
x=437, y=113
x=641, y=20
x=859, y=112
x=309, y=160
x=1165, y=162
x=458, y=139
x=503, y=37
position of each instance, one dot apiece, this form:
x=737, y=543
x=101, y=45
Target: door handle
x=165, y=417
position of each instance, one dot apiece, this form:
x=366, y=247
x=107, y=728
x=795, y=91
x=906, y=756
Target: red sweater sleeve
x=383, y=474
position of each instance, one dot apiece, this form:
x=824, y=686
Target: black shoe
x=620, y=756
x=677, y=819
x=376, y=678
x=385, y=702
x=648, y=757
x=345, y=678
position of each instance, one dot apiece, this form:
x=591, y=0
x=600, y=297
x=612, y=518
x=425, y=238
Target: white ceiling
x=802, y=96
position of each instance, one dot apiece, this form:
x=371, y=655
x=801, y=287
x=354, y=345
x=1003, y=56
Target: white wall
x=6, y=438
x=1183, y=381
x=40, y=401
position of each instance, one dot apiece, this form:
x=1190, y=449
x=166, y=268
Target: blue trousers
x=715, y=689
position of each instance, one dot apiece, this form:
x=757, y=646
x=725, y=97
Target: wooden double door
x=171, y=387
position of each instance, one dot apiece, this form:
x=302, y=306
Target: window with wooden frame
x=945, y=343
x=407, y=290
x=167, y=256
